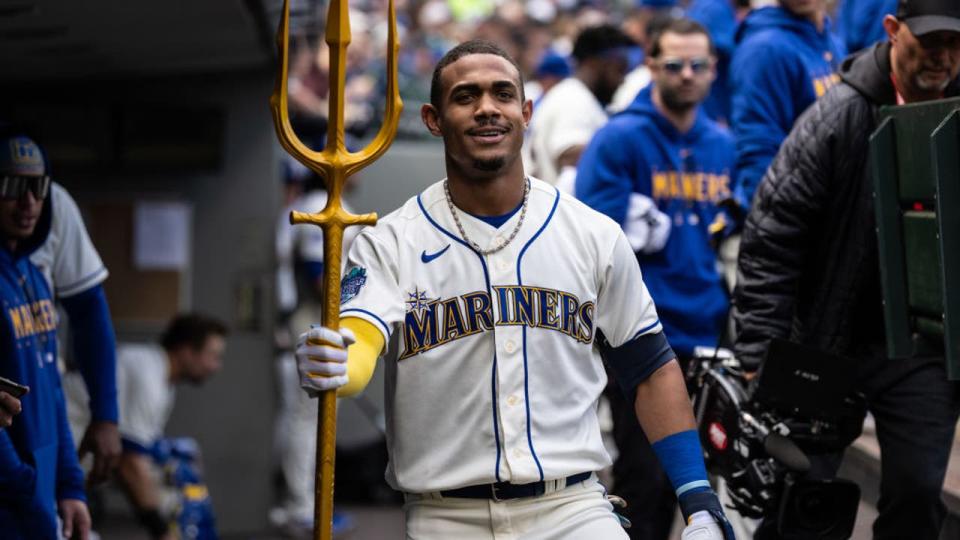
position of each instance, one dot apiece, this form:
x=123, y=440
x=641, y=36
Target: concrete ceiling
x=70, y=39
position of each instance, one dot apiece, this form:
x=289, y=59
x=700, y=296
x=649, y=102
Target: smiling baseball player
x=504, y=293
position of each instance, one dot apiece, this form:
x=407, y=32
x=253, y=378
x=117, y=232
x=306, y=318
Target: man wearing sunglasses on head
x=40, y=478
x=659, y=169
x=75, y=273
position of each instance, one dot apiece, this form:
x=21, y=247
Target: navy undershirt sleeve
x=634, y=361
x=94, y=347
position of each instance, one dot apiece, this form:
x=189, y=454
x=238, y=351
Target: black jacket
x=808, y=267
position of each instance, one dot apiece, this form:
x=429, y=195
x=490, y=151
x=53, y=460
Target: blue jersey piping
x=526, y=379
x=493, y=382
x=81, y=284
x=386, y=328
x=645, y=329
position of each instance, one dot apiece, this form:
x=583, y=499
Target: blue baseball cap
x=21, y=156
x=553, y=64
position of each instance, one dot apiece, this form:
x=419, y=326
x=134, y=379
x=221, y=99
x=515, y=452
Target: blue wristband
x=681, y=457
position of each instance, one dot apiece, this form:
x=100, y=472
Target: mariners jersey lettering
x=438, y=322
x=498, y=376
x=30, y=319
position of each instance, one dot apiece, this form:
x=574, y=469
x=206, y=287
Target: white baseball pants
x=576, y=513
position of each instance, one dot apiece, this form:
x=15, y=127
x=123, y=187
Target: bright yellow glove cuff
x=361, y=356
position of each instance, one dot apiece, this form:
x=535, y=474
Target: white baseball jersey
x=144, y=394
x=67, y=257
x=498, y=376
x=567, y=116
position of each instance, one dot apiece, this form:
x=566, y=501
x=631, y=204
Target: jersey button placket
x=509, y=343
x=510, y=390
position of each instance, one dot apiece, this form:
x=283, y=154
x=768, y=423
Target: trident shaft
x=335, y=164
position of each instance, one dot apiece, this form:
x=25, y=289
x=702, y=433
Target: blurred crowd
x=535, y=33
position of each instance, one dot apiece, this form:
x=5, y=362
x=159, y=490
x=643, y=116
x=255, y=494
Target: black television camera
x=758, y=435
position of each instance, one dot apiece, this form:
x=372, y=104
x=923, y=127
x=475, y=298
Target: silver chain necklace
x=501, y=245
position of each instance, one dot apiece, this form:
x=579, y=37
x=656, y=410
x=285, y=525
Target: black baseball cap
x=925, y=16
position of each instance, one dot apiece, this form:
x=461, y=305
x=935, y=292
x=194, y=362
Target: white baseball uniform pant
x=578, y=512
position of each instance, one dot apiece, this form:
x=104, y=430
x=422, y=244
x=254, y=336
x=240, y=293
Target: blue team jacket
x=38, y=461
x=861, y=22
x=719, y=18
x=687, y=174
x=781, y=66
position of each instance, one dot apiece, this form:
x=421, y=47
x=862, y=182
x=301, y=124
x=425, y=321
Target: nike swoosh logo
x=427, y=258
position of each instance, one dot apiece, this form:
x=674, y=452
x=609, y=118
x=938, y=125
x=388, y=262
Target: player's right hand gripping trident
x=335, y=164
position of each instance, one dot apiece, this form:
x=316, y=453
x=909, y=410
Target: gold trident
x=335, y=164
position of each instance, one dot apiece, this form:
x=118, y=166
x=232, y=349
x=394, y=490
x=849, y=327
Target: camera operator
x=809, y=268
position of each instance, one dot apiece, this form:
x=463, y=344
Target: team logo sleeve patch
x=351, y=283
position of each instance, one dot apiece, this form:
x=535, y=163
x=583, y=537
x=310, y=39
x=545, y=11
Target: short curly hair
x=474, y=46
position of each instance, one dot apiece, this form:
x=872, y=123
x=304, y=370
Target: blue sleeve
x=874, y=30
x=94, y=346
x=763, y=82
x=604, y=174
x=17, y=479
x=69, y=473
x=861, y=21
x=719, y=18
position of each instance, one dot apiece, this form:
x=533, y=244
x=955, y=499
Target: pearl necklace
x=501, y=245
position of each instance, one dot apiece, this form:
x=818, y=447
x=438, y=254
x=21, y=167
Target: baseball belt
x=503, y=491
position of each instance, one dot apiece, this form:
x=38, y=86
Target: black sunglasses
x=15, y=187
x=674, y=66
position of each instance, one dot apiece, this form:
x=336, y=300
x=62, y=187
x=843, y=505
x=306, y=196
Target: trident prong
x=335, y=163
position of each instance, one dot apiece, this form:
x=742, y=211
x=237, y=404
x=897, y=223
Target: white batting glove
x=322, y=359
x=702, y=526
x=646, y=227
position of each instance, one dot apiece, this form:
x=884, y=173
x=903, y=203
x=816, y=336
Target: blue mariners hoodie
x=782, y=64
x=38, y=462
x=686, y=174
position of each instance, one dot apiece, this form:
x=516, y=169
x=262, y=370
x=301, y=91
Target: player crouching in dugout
x=506, y=293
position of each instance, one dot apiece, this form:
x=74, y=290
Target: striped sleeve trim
x=95, y=278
